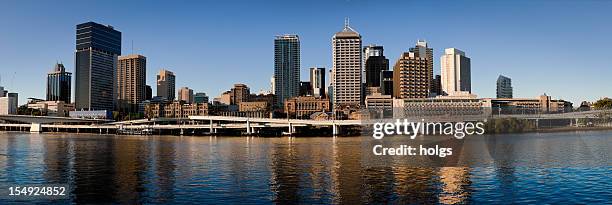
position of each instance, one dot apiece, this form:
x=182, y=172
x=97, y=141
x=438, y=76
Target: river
x=320, y=170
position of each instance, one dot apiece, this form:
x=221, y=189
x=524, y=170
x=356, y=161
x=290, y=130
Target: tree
x=605, y=103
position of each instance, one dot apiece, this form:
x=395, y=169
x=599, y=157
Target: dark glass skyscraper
x=97, y=49
x=375, y=62
x=58, y=84
x=286, y=68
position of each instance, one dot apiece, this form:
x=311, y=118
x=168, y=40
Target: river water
x=254, y=170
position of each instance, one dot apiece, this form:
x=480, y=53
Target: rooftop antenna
x=132, y=46
x=346, y=22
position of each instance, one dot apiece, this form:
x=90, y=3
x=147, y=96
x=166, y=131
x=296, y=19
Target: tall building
x=200, y=98
x=410, y=77
x=148, y=92
x=286, y=67
x=305, y=88
x=97, y=49
x=131, y=79
x=456, y=74
x=374, y=62
x=8, y=104
x=504, y=87
x=317, y=81
x=166, y=82
x=346, y=71
x=386, y=82
x=186, y=95
x=423, y=51
x=58, y=84
x=436, y=86
x=240, y=93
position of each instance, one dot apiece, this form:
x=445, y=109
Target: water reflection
x=168, y=169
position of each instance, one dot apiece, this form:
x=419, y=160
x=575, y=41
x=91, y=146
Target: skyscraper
x=346, y=71
x=166, y=82
x=131, y=79
x=375, y=62
x=186, y=95
x=386, y=82
x=423, y=51
x=504, y=87
x=317, y=81
x=286, y=67
x=148, y=92
x=436, y=86
x=410, y=77
x=456, y=74
x=58, y=84
x=97, y=48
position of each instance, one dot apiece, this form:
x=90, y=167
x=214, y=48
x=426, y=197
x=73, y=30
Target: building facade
x=97, y=49
x=386, y=82
x=131, y=81
x=286, y=67
x=175, y=109
x=53, y=108
x=456, y=72
x=411, y=77
x=317, y=81
x=59, y=84
x=200, y=98
x=504, y=87
x=374, y=63
x=436, y=86
x=166, y=84
x=422, y=50
x=240, y=93
x=9, y=104
x=346, y=74
x=303, y=107
x=186, y=95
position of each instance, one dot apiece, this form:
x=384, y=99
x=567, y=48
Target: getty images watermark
x=412, y=129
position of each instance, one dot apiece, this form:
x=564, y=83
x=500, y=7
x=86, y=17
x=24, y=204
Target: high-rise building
x=504, y=87
x=374, y=62
x=131, y=79
x=317, y=81
x=97, y=49
x=58, y=84
x=240, y=93
x=286, y=67
x=436, y=86
x=8, y=104
x=386, y=82
x=456, y=74
x=166, y=82
x=410, y=77
x=148, y=92
x=186, y=95
x=305, y=88
x=346, y=71
x=200, y=98
x=423, y=51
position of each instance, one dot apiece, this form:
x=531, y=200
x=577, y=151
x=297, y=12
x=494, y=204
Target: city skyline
x=541, y=48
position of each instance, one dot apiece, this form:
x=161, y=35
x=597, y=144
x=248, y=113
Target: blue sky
x=556, y=47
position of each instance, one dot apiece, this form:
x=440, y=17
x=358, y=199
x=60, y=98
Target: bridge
x=213, y=124
x=37, y=121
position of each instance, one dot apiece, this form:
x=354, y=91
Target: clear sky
x=561, y=48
